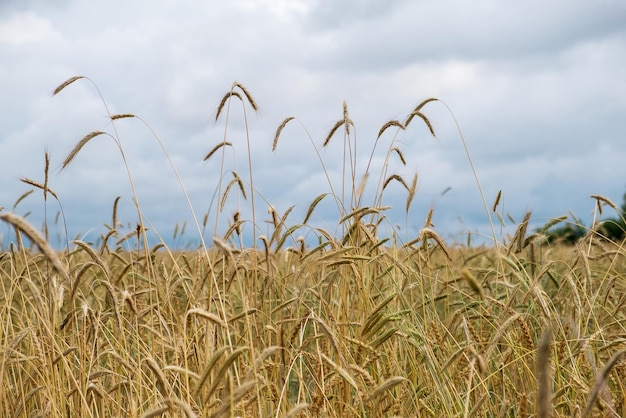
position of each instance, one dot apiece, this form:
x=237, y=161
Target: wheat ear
x=332, y=131
x=251, y=100
x=601, y=199
x=21, y=224
x=45, y=182
x=387, y=385
x=224, y=100
x=601, y=380
x=398, y=179
x=279, y=130
x=79, y=146
x=217, y=147
x=411, y=195
x=122, y=116
x=65, y=84
x=400, y=155
x=346, y=117
x=497, y=201
x=43, y=187
x=389, y=125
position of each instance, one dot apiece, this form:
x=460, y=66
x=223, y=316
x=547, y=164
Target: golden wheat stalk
x=43, y=187
x=387, y=385
x=222, y=371
x=181, y=370
x=94, y=256
x=497, y=201
x=114, y=223
x=601, y=199
x=45, y=182
x=601, y=381
x=388, y=125
x=520, y=232
x=224, y=247
x=424, y=118
x=233, y=93
x=332, y=131
x=122, y=116
x=156, y=412
x=411, y=195
x=427, y=233
x=21, y=224
x=500, y=331
x=184, y=406
x=206, y=315
x=396, y=178
x=400, y=154
x=245, y=91
x=65, y=84
x=228, y=403
x=312, y=206
x=329, y=334
x=236, y=180
x=224, y=100
x=544, y=408
x=79, y=146
x=216, y=148
x=279, y=222
x=375, y=315
x=418, y=108
x=340, y=370
x=161, y=382
x=473, y=282
x=279, y=130
x=346, y=117
x=22, y=197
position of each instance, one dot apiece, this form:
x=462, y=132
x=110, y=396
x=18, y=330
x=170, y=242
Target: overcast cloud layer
x=538, y=89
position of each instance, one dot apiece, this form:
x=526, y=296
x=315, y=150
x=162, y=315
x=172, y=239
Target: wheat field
x=357, y=324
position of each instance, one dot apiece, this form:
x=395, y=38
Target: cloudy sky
x=538, y=89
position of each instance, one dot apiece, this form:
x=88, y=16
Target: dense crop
x=357, y=324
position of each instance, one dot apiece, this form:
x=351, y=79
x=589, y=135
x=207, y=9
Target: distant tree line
x=612, y=229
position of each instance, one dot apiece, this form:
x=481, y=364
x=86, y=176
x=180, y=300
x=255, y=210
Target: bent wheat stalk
x=20, y=224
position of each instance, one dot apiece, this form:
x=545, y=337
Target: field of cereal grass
x=355, y=324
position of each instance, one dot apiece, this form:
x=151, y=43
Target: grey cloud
x=421, y=31
x=9, y=6
x=541, y=113
x=330, y=15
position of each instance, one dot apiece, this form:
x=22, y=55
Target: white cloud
x=26, y=27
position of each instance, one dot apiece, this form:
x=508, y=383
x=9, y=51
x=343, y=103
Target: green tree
x=567, y=235
x=613, y=229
